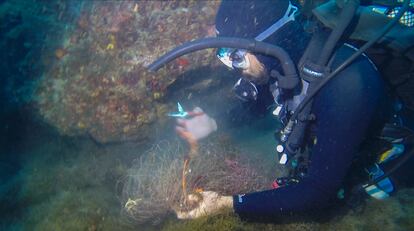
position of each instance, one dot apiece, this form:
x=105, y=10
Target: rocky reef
x=96, y=82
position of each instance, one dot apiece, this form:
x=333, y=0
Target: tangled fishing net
x=155, y=186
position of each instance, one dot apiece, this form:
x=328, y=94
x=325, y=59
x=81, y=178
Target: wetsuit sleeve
x=345, y=109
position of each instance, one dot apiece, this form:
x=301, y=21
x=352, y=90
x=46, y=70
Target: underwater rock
x=102, y=89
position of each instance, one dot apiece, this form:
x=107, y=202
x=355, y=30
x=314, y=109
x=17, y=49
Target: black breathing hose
x=288, y=66
x=325, y=80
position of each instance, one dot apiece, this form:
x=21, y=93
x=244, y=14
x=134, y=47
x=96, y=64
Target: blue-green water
x=52, y=180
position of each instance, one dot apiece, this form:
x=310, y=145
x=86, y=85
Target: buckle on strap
x=289, y=16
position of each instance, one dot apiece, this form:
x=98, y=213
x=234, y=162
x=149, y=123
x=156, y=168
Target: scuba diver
x=335, y=129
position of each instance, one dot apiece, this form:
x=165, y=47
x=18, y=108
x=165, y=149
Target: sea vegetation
x=227, y=221
x=394, y=213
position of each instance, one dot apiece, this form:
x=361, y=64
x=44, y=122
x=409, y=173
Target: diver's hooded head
x=249, y=18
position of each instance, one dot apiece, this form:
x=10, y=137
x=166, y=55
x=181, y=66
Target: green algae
x=84, y=210
x=228, y=221
x=69, y=184
x=225, y=221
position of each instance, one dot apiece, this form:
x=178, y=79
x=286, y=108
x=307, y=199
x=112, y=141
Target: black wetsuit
x=350, y=109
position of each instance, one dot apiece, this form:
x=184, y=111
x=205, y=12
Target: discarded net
x=153, y=187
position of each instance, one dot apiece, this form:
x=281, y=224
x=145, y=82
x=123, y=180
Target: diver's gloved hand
x=198, y=127
x=209, y=203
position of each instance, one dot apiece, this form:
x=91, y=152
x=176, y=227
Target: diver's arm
x=337, y=141
x=331, y=159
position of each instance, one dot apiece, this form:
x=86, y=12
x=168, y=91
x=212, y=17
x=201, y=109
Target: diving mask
x=235, y=58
